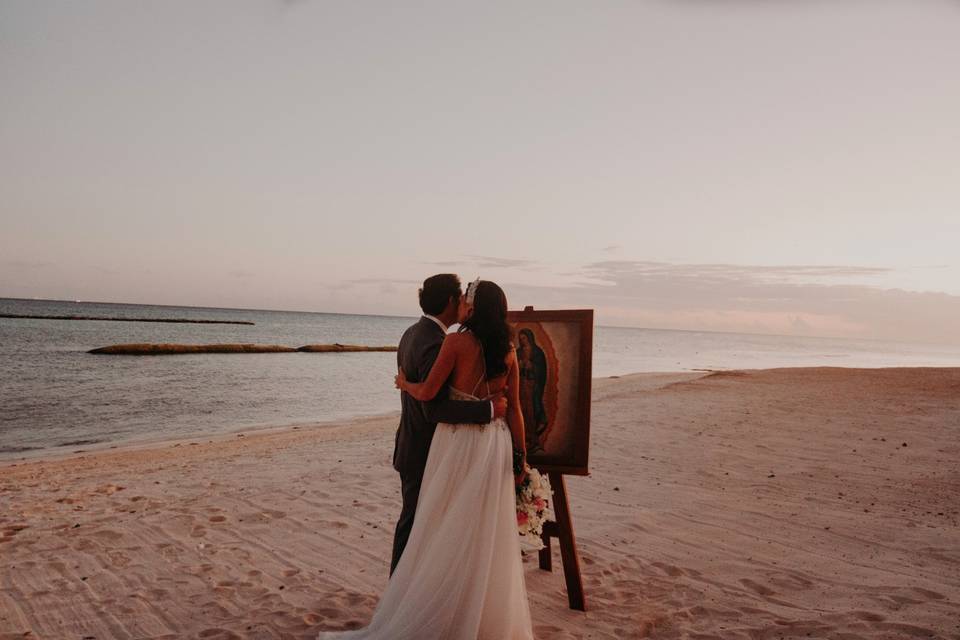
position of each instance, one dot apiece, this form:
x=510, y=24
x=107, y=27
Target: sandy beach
x=784, y=503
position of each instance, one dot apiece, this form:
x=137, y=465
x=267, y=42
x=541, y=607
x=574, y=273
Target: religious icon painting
x=554, y=351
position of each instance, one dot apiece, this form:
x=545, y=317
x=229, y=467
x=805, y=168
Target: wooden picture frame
x=557, y=418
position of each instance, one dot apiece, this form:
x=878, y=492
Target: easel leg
x=546, y=557
x=568, y=544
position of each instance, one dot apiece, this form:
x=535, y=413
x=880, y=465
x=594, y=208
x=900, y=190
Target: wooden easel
x=562, y=529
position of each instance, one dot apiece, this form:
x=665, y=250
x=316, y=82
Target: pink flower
x=540, y=504
x=522, y=518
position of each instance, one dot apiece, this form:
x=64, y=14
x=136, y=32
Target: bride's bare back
x=469, y=370
x=461, y=363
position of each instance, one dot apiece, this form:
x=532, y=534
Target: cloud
x=381, y=281
x=784, y=299
x=383, y=285
x=489, y=262
x=726, y=272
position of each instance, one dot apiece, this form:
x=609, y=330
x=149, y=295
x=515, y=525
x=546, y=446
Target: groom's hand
x=399, y=379
x=499, y=406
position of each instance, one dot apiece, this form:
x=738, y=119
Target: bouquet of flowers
x=534, y=507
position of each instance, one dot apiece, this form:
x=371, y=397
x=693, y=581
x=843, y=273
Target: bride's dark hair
x=489, y=324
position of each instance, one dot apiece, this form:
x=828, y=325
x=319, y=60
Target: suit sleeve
x=441, y=408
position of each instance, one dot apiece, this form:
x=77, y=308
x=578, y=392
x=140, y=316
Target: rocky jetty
x=150, y=349
x=340, y=348
x=118, y=319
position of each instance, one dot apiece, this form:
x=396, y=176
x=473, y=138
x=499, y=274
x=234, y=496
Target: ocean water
x=55, y=397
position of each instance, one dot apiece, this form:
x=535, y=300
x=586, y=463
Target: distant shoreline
x=880, y=340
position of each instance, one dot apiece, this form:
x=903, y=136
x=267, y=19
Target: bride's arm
x=514, y=415
x=439, y=373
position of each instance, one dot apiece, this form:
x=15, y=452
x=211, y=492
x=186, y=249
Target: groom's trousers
x=410, y=489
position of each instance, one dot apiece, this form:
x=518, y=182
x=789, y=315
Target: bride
x=461, y=576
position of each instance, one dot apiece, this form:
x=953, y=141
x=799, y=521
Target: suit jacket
x=419, y=348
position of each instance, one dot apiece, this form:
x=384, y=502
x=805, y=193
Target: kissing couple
x=456, y=572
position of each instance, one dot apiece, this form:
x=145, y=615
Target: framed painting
x=555, y=352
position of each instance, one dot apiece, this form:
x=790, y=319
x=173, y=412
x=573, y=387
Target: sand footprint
x=906, y=630
x=355, y=599
x=57, y=566
x=756, y=587
x=548, y=631
x=786, y=580
x=219, y=634
x=869, y=616
x=107, y=534
x=311, y=619
x=669, y=569
x=328, y=613
x=926, y=593
x=108, y=489
x=11, y=530
x=118, y=558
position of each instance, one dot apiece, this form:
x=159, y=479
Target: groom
x=419, y=347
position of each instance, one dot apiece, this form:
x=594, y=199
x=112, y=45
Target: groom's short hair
x=436, y=292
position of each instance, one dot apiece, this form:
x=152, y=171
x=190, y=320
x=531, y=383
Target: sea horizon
x=414, y=316
x=56, y=396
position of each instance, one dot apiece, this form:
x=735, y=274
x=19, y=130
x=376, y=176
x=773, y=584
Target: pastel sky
x=767, y=166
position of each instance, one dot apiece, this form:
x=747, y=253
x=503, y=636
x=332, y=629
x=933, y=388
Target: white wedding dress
x=460, y=576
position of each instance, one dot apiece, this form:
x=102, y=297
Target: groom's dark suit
x=418, y=350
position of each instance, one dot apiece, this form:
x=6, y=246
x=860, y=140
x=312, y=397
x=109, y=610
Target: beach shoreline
x=809, y=502
x=208, y=437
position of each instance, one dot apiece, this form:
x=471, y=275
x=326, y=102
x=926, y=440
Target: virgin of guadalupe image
x=533, y=382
